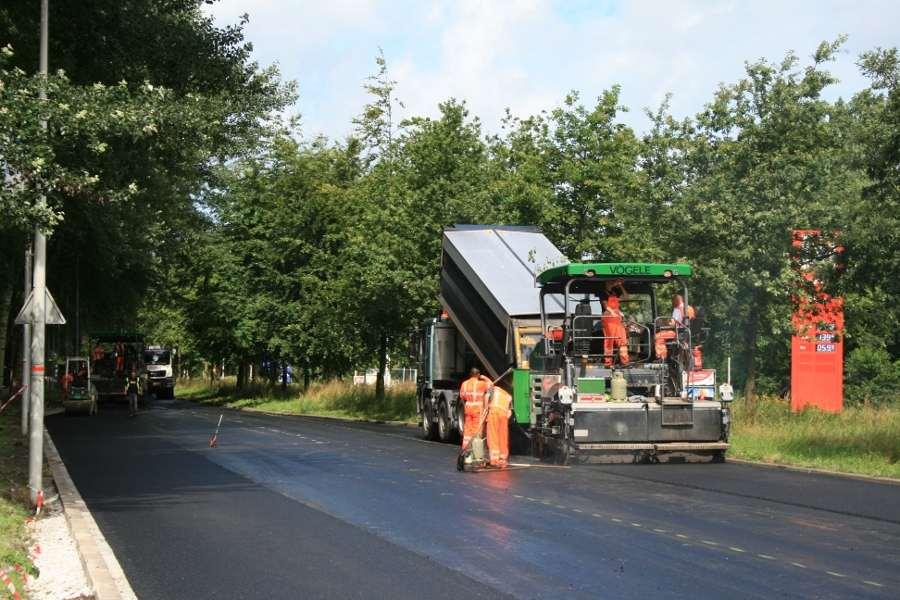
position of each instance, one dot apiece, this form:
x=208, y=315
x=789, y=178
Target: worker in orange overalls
x=614, y=334
x=499, y=412
x=120, y=357
x=473, y=393
x=664, y=336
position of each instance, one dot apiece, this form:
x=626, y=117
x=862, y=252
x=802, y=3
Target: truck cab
x=443, y=359
x=158, y=365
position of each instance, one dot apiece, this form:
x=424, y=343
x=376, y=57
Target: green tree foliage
x=131, y=77
x=247, y=244
x=762, y=159
x=573, y=172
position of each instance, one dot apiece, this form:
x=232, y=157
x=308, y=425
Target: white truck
x=158, y=365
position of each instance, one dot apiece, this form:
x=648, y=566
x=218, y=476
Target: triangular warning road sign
x=53, y=315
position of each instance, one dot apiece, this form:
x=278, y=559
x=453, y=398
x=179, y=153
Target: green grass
x=13, y=494
x=330, y=399
x=862, y=440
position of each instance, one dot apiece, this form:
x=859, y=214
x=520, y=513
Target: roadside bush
x=872, y=377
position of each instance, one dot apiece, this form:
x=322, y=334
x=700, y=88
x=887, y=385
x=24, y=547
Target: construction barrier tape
x=11, y=398
x=10, y=586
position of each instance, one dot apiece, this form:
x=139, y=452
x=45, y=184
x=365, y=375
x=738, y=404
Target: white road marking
x=875, y=583
x=736, y=549
x=799, y=565
x=766, y=556
x=833, y=574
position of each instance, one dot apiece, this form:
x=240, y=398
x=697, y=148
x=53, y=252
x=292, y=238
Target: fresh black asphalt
x=292, y=507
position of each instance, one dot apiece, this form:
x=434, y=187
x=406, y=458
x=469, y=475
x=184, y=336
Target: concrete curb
x=757, y=463
x=103, y=571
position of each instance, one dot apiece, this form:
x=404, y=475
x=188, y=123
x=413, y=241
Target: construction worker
x=664, y=336
x=614, y=333
x=473, y=392
x=120, y=356
x=97, y=354
x=499, y=412
x=678, y=311
x=133, y=390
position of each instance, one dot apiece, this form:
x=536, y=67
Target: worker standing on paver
x=614, y=334
x=133, y=390
x=499, y=411
x=473, y=393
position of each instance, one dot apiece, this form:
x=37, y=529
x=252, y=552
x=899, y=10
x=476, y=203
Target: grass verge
x=330, y=399
x=14, y=502
x=862, y=440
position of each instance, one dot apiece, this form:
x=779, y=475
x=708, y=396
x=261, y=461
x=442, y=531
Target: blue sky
x=526, y=54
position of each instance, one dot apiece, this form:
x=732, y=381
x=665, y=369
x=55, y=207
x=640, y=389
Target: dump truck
x=517, y=308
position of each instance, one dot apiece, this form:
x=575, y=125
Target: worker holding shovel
x=473, y=393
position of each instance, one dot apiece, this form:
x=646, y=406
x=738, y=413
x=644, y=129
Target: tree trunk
x=305, y=377
x=382, y=366
x=6, y=289
x=241, y=375
x=284, y=377
x=752, y=334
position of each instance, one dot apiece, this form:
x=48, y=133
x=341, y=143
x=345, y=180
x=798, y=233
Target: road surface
x=293, y=507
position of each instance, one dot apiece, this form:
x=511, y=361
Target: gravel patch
x=62, y=575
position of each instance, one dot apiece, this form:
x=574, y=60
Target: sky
x=526, y=55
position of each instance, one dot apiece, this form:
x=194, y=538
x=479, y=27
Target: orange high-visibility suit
x=120, y=356
x=499, y=412
x=614, y=334
x=662, y=338
x=472, y=392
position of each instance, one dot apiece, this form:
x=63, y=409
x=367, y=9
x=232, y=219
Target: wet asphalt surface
x=294, y=507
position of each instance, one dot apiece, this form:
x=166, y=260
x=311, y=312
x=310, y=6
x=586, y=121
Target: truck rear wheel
x=445, y=431
x=429, y=428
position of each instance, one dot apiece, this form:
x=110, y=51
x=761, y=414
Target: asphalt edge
x=812, y=470
x=101, y=566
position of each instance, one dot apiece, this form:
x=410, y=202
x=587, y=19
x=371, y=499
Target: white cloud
x=526, y=54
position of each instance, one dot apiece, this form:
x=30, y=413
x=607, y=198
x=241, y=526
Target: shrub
x=872, y=377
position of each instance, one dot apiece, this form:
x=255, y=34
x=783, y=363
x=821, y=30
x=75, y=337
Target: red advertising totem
x=817, y=346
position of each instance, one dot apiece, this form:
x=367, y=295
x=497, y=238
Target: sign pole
x=39, y=317
x=26, y=348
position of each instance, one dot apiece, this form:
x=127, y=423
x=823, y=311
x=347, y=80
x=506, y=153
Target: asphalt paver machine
x=512, y=302
x=78, y=392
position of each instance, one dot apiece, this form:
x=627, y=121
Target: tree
x=573, y=172
x=763, y=158
x=197, y=77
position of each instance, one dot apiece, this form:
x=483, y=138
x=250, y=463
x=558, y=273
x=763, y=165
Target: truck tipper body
x=515, y=307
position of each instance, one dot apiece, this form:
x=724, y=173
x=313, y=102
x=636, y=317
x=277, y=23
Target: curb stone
x=103, y=571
